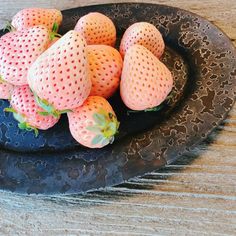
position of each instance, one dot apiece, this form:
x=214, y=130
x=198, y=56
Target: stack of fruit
x=45, y=75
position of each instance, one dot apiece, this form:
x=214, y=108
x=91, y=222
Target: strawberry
x=26, y=111
x=36, y=16
x=59, y=76
x=97, y=28
x=145, y=34
x=5, y=89
x=93, y=124
x=105, y=65
x=18, y=50
x=145, y=81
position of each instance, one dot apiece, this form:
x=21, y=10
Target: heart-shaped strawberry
x=105, y=66
x=145, y=34
x=18, y=51
x=26, y=111
x=36, y=16
x=59, y=77
x=94, y=124
x=97, y=28
x=145, y=81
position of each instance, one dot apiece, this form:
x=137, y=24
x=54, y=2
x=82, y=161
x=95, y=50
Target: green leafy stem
x=48, y=108
x=54, y=33
x=105, y=128
x=22, y=124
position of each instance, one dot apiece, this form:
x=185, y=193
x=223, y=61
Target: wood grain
x=194, y=196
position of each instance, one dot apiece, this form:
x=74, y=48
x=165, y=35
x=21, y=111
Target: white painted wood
x=194, y=196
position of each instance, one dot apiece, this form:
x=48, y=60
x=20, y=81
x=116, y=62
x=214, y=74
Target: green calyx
x=48, y=109
x=54, y=33
x=22, y=121
x=27, y=127
x=105, y=128
x=9, y=27
x=157, y=108
x=55, y=27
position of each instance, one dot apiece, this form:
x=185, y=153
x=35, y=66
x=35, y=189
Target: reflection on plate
x=203, y=62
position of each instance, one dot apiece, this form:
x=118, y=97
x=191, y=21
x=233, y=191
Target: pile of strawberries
x=45, y=75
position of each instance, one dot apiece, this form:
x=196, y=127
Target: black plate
x=202, y=60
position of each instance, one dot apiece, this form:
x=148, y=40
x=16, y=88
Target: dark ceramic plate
x=202, y=60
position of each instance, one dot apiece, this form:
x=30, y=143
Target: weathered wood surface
x=194, y=196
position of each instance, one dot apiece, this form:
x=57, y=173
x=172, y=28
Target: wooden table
x=194, y=196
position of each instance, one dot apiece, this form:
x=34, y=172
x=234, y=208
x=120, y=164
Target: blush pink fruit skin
x=97, y=28
x=36, y=16
x=18, y=51
x=60, y=74
x=23, y=101
x=5, y=90
x=145, y=81
x=145, y=34
x=105, y=66
x=53, y=41
x=82, y=117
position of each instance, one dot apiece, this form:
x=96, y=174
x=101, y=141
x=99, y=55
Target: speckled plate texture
x=202, y=60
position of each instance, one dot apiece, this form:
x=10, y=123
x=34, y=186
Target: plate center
x=59, y=138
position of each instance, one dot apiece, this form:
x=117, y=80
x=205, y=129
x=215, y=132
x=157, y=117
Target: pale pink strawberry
x=36, y=16
x=145, y=81
x=18, y=51
x=93, y=124
x=59, y=77
x=97, y=28
x=105, y=65
x=26, y=111
x=5, y=89
x=145, y=34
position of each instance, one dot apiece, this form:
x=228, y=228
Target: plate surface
x=202, y=60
